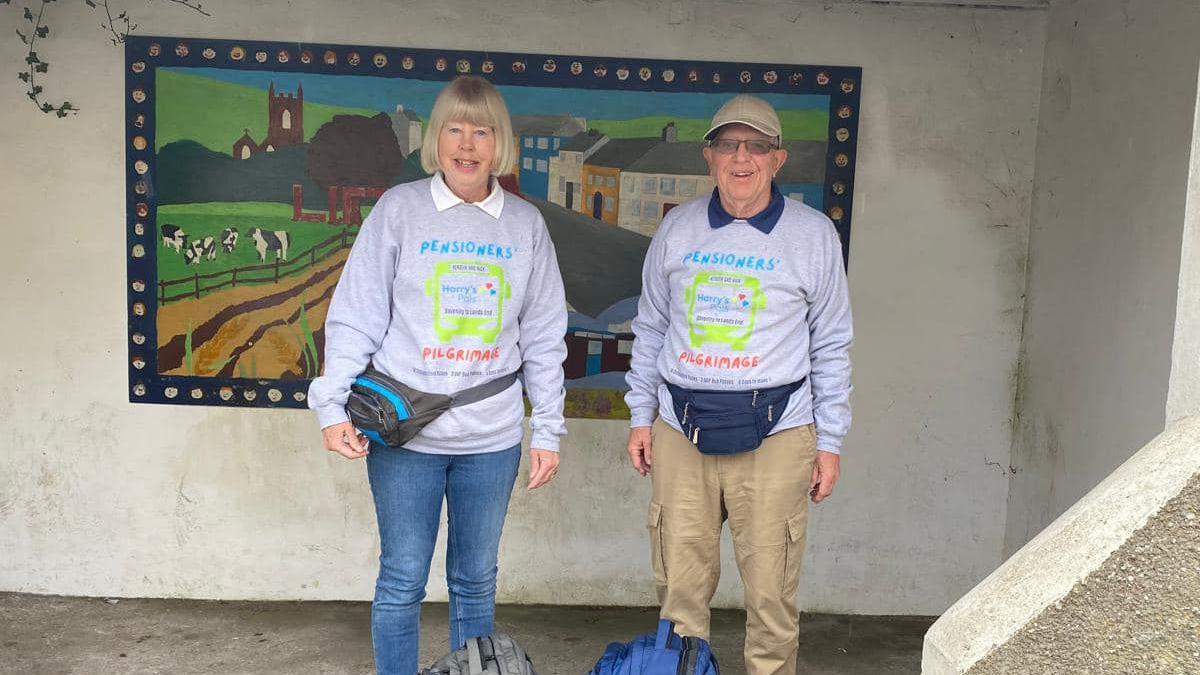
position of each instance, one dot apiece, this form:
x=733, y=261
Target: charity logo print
x=468, y=299
x=722, y=309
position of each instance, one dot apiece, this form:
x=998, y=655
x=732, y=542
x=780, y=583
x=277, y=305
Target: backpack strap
x=474, y=659
x=482, y=391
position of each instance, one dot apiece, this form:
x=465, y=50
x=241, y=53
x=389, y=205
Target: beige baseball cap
x=749, y=110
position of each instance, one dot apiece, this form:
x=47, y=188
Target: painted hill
x=189, y=173
x=601, y=264
x=215, y=113
x=798, y=125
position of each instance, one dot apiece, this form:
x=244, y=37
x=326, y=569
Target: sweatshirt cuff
x=544, y=440
x=642, y=417
x=829, y=444
x=329, y=415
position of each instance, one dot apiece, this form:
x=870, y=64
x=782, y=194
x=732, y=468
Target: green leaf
x=60, y=113
x=32, y=58
x=28, y=15
x=46, y=107
x=90, y=4
x=67, y=106
x=23, y=37
x=37, y=89
x=42, y=67
x=187, y=350
x=23, y=76
x=43, y=31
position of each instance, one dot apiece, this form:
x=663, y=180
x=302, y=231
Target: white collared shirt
x=444, y=198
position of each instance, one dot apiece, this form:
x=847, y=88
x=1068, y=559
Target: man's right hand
x=345, y=440
x=639, y=449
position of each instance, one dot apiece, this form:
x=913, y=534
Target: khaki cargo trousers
x=764, y=496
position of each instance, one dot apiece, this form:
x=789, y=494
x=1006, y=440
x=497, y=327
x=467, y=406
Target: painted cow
x=174, y=237
x=268, y=240
x=200, y=248
x=229, y=237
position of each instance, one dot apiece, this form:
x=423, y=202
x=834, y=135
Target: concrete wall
x=98, y=496
x=1114, y=146
x=1111, y=586
x=1183, y=397
x=1134, y=615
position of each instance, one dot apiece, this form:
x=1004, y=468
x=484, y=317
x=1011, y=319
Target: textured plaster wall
x=1138, y=613
x=1114, y=147
x=98, y=496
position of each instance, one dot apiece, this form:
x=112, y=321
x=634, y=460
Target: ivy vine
x=118, y=25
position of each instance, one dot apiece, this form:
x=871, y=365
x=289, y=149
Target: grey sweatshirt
x=443, y=300
x=735, y=309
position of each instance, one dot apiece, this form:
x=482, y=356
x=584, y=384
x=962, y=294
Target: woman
x=450, y=283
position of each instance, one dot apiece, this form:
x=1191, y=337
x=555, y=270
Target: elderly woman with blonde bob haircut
x=451, y=283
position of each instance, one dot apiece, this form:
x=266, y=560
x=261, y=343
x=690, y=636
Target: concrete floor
x=41, y=635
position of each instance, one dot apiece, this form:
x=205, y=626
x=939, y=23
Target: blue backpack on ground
x=661, y=653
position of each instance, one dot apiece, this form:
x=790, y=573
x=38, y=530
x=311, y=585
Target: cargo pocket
x=797, y=523
x=654, y=527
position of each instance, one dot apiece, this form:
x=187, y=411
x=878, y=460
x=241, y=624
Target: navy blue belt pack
x=729, y=422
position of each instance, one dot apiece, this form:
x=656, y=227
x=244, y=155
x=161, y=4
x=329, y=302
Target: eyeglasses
x=728, y=146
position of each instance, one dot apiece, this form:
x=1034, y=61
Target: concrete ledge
x=1076, y=544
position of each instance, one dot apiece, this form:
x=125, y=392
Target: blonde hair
x=474, y=100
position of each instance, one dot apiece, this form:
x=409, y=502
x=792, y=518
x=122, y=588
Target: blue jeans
x=408, y=488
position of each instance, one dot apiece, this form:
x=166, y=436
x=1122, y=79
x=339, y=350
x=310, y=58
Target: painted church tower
x=285, y=124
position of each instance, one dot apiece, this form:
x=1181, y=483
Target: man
x=741, y=350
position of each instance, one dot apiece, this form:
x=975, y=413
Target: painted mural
x=251, y=166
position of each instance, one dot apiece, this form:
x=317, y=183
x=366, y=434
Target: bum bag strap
x=482, y=391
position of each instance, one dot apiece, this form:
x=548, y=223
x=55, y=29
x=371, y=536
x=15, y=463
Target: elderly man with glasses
x=740, y=385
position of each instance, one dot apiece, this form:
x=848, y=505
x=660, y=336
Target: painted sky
x=382, y=93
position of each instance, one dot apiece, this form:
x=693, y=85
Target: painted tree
x=355, y=150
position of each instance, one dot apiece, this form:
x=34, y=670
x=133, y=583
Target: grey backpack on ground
x=497, y=654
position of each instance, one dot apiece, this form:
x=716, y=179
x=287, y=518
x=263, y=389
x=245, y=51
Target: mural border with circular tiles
x=145, y=54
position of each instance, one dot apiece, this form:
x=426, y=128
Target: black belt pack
x=729, y=422
x=390, y=412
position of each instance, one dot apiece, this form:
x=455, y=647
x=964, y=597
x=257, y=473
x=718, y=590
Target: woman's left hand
x=543, y=464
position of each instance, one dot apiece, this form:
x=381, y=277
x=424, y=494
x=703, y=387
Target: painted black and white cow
x=200, y=248
x=267, y=240
x=174, y=237
x=229, y=237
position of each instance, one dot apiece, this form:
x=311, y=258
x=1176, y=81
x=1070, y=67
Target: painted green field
x=209, y=219
x=798, y=125
x=215, y=113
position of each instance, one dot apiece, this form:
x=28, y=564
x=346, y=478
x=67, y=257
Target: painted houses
x=407, y=127
x=667, y=175
x=601, y=175
x=538, y=138
x=566, y=170
x=803, y=175
x=591, y=352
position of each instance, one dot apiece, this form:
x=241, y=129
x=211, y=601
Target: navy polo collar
x=763, y=221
